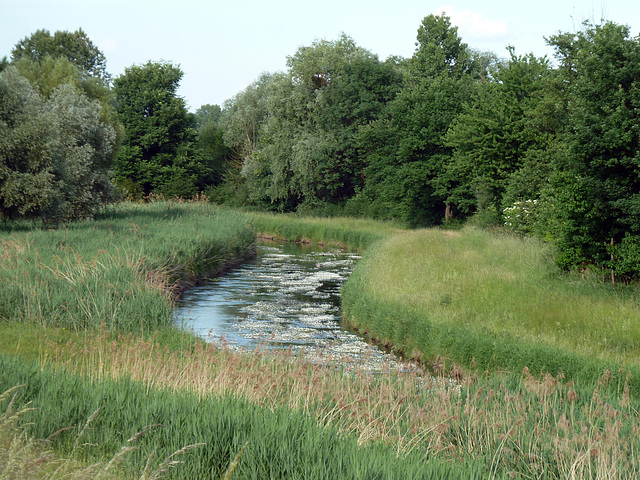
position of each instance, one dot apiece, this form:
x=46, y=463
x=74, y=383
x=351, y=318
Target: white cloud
x=475, y=26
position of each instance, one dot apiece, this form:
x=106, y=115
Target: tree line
x=451, y=134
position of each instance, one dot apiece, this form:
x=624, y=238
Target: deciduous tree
x=55, y=153
x=159, y=152
x=76, y=47
x=408, y=176
x=494, y=132
x=597, y=187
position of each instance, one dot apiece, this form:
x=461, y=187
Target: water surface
x=287, y=297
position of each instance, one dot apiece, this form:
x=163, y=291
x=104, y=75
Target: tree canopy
x=158, y=152
x=55, y=152
x=449, y=134
x=76, y=47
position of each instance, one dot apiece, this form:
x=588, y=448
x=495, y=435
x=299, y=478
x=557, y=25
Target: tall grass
x=278, y=443
x=119, y=270
x=502, y=425
x=495, y=301
x=490, y=301
x=24, y=457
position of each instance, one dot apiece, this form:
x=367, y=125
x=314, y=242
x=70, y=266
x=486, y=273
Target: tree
x=597, y=184
x=84, y=153
x=356, y=98
x=67, y=58
x=213, y=151
x=244, y=115
x=315, y=66
x=55, y=153
x=208, y=114
x=494, y=133
x=27, y=177
x=159, y=153
x=76, y=47
x=408, y=175
x=440, y=50
x=308, y=155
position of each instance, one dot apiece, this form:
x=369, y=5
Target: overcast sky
x=224, y=45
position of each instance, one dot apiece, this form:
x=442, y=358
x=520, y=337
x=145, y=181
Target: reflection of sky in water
x=288, y=297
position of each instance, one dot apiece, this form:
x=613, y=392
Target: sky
x=222, y=46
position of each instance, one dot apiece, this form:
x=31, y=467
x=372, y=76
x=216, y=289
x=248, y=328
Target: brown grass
x=538, y=425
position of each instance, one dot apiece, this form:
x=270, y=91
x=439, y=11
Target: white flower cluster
x=517, y=214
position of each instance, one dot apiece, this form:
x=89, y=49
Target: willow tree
x=55, y=153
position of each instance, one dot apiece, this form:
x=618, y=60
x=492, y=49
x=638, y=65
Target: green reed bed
x=119, y=269
x=498, y=426
x=354, y=233
x=495, y=301
x=276, y=443
x=25, y=457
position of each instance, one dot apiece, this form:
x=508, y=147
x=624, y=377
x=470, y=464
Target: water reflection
x=287, y=297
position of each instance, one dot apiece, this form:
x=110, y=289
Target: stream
x=288, y=297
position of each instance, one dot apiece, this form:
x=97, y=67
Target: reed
x=25, y=457
x=278, y=442
x=120, y=270
x=504, y=425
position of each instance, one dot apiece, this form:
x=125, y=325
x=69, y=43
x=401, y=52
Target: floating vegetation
x=288, y=297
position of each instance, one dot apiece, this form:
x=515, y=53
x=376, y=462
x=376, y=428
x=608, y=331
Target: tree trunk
x=613, y=275
x=448, y=214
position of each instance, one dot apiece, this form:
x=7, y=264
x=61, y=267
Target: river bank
x=482, y=427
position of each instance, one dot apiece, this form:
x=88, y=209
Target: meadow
x=491, y=301
x=514, y=375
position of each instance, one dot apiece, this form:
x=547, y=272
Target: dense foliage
x=76, y=47
x=455, y=134
x=450, y=134
x=58, y=130
x=55, y=152
x=158, y=152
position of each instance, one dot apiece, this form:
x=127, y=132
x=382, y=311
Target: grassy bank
x=354, y=233
x=495, y=301
x=118, y=270
x=91, y=308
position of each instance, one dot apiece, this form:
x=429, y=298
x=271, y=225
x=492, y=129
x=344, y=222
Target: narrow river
x=287, y=297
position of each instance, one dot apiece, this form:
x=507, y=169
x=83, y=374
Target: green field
x=494, y=300
x=539, y=368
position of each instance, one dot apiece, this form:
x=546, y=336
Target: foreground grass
x=277, y=443
x=25, y=457
x=504, y=426
x=494, y=301
x=437, y=296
